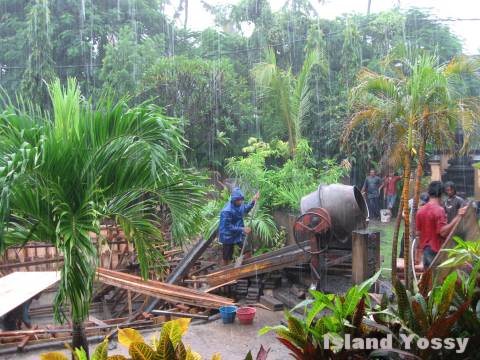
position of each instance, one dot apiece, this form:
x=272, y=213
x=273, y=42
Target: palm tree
x=62, y=176
x=291, y=96
x=414, y=102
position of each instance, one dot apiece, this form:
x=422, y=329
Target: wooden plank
x=96, y=321
x=360, y=240
x=271, y=303
x=168, y=292
x=172, y=252
x=220, y=285
x=30, y=263
x=129, y=302
x=24, y=342
x=173, y=297
x=18, y=287
x=202, y=268
x=180, y=314
x=265, y=265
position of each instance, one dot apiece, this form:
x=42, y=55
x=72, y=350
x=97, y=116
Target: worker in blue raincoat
x=231, y=230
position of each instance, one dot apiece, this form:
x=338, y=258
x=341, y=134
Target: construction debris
x=189, y=259
x=170, y=293
x=275, y=260
x=122, y=299
x=271, y=303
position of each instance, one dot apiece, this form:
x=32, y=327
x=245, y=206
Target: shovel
x=239, y=260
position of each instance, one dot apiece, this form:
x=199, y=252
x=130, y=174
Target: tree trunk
x=405, y=195
x=79, y=338
x=292, y=144
x=416, y=193
x=186, y=14
x=395, y=242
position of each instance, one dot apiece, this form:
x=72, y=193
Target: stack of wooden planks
x=275, y=260
x=11, y=341
x=168, y=292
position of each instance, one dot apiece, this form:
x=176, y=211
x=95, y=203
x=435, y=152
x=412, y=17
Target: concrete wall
x=285, y=219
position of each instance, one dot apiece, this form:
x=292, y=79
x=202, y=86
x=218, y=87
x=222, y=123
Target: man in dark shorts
x=453, y=202
x=431, y=223
x=372, y=187
x=390, y=189
x=231, y=230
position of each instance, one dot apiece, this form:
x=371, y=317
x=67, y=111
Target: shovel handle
x=246, y=237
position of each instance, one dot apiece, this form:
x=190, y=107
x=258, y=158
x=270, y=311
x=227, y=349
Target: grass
x=386, y=235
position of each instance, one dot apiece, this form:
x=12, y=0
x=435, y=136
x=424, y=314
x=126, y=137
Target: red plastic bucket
x=246, y=314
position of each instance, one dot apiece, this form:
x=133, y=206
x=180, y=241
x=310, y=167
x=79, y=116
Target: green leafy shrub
x=264, y=228
x=344, y=315
x=449, y=309
x=465, y=257
x=167, y=346
x=282, y=181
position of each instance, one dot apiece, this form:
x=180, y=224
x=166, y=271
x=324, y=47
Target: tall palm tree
x=62, y=175
x=291, y=96
x=414, y=102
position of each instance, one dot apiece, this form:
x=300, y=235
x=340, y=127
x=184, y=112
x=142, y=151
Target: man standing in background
x=390, y=189
x=372, y=187
x=453, y=202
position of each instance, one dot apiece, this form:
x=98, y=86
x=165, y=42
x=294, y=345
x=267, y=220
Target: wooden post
x=129, y=299
x=362, y=240
x=436, y=170
x=291, y=223
x=476, y=183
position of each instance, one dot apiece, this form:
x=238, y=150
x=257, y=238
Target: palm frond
x=61, y=178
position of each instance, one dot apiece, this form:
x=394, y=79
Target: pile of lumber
x=275, y=260
x=168, y=292
x=11, y=341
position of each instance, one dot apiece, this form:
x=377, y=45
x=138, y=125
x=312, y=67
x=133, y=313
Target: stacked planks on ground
x=275, y=260
x=168, y=292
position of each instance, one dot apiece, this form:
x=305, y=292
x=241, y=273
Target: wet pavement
x=232, y=341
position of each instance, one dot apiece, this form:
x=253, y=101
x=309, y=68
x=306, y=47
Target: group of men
x=372, y=188
x=435, y=218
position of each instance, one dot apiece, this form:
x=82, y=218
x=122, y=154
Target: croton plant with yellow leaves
x=167, y=346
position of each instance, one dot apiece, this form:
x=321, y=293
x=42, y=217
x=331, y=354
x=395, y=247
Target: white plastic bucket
x=385, y=215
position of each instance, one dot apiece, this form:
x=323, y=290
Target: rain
x=239, y=179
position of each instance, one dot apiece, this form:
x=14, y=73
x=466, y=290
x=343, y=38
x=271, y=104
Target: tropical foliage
x=64, y=173
x=435, y=310
x=412, y=103
x=282, y=180
x=168, y=345
x=340, y=315
x=139, y=50
x=292, y=97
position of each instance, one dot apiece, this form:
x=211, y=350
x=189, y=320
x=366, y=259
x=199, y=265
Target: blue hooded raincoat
x=231, y=219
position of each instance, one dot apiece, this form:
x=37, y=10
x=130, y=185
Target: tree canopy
x=205, y=77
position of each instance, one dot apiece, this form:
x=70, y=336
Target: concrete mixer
x=328, y=217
